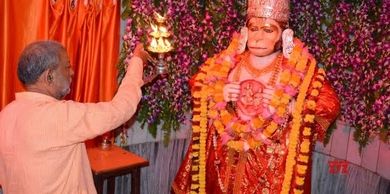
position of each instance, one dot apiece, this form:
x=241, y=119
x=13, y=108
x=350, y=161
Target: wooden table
x=107, y=164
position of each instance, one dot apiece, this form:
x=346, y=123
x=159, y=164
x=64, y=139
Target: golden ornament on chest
x=257, y=73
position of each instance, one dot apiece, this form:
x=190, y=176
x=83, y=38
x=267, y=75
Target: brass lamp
x=160, y=42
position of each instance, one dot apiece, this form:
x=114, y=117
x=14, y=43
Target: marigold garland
x=303, y=156
x=209, y=83
x=298, y=173
x=245, y=135
x=295, y=129
x=208, y=72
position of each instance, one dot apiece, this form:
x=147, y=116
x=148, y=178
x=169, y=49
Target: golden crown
x=278, y=10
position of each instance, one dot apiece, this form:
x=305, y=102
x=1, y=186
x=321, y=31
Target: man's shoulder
x=9, y=107
x=26, y=105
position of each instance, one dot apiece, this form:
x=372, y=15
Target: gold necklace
x=254, y=72
x=275, y=74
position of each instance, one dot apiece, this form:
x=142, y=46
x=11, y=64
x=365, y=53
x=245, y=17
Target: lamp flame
x=159, y=18
x=159, y=36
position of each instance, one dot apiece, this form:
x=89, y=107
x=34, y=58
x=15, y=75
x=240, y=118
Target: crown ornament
x=278, y=10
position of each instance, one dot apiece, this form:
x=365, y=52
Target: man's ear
x=48, y=76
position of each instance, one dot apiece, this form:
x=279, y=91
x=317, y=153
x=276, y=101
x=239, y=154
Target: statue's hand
x=231, y=92
x=288, y=44
x=268, y=93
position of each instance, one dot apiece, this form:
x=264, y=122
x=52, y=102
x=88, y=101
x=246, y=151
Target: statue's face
x=263, y=34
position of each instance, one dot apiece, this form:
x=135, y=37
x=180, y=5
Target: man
x=41, y=135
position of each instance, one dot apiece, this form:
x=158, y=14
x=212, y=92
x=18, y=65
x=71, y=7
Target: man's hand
x=136, y=69
x=141, y=53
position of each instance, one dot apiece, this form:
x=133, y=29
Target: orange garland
x=208, y=72
x=244, y=139
x=301, y=159
x=210, y=82
x=305, y=130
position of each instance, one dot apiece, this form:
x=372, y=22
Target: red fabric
x=257, y=173
x=89, y=30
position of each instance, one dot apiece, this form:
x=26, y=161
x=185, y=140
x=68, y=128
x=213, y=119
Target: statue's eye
x=268, y=30
x=253, y=28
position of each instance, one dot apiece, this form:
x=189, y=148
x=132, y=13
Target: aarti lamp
x=160, y=42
